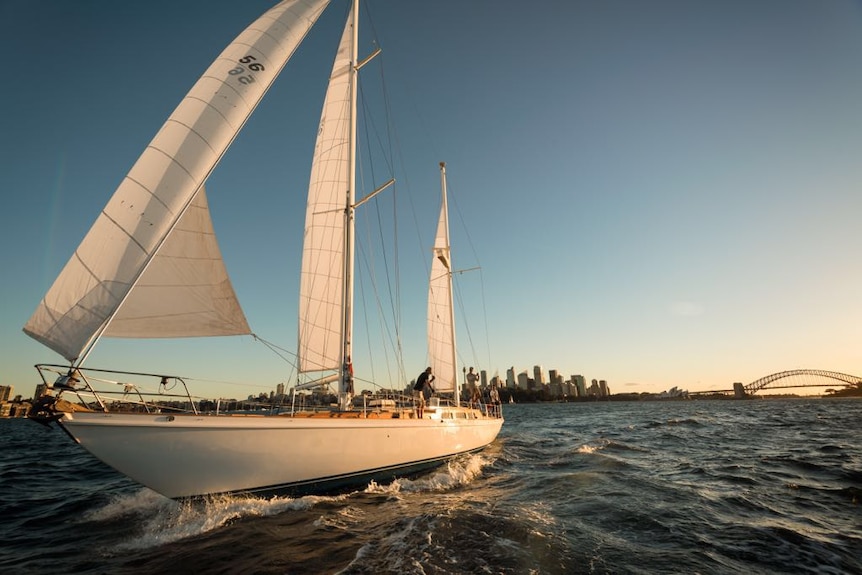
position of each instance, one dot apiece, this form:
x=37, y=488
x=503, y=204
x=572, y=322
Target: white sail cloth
x=441, y=329
x=322, y=286
x=159, y=189
x=185, y=291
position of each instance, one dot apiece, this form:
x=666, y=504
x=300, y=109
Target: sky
x=659, y=193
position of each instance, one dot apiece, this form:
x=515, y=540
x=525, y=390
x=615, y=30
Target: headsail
x=161, y=185
x=321, y=296
x=441, y=326
x=185, y=291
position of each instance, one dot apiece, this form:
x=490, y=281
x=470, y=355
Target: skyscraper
x=539, y=376
x=605, y=390
x=580, y=383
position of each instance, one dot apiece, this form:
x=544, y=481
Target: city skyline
x=555, y=388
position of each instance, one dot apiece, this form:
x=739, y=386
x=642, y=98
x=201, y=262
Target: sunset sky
x=659, y=193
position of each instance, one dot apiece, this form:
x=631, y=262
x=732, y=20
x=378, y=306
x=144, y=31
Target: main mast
x=346, y=386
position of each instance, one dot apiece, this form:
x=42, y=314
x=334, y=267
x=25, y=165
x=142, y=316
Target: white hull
x=184, y=456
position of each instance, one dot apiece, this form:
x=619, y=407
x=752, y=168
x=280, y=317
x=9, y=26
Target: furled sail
x=441, y=329
x=149, y=202
x=321, y=291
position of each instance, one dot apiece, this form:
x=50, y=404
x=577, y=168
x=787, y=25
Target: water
x=771, y=486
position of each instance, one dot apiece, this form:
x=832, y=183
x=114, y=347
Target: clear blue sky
x=660, y=193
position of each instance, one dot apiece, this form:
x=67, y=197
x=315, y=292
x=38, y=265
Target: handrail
x=95, y=391
x=69, y=378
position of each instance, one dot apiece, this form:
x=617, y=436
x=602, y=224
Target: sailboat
x=150, y=267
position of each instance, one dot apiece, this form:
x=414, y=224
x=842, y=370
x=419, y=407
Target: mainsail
x=161, y=186
x=441, y=327
x=322, y=286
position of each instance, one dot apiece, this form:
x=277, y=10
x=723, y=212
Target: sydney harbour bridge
x=791, y=379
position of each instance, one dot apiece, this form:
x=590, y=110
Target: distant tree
x=852, y=390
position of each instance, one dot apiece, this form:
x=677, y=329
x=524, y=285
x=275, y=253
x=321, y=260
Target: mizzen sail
x=161, y=185
x=441, y=328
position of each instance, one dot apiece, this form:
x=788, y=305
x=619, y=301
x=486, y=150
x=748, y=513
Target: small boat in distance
x=150, y=267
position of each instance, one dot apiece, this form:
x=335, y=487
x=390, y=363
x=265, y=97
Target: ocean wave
x=161, y=521
x=687, y=422
x=457, y=472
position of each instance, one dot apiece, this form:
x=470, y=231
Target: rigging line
x=398, y=158
x=412, y=102
x=453, y=197
x=393, y=299
x=382, y=317
x=387, y=109
x=273, y=347
x=361, y=285
x=371, y=356
x=391, y=137
x=485, y=316
x=394, y=141
x=397, y=275
x=371, y=126
x=392, y=270
x=464, y=322
x=404, y=181
x=369, y=382
x=276, y=350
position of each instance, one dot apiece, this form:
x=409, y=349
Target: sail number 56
x=244, y=73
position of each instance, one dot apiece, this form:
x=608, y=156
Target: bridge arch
x=766, y=382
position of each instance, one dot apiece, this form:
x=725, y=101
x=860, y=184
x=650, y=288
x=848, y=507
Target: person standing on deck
x=425, y=378
x=473, y=388
x=494, y=396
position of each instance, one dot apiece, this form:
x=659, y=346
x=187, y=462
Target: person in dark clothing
x=425, y=378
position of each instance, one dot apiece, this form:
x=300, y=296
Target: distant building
x=539, y=376
x=604, y=390
x=673, y=393
x=510, y=378
x=581, y=384
x=5, y=392
x=523, y=381
x=555, y=388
